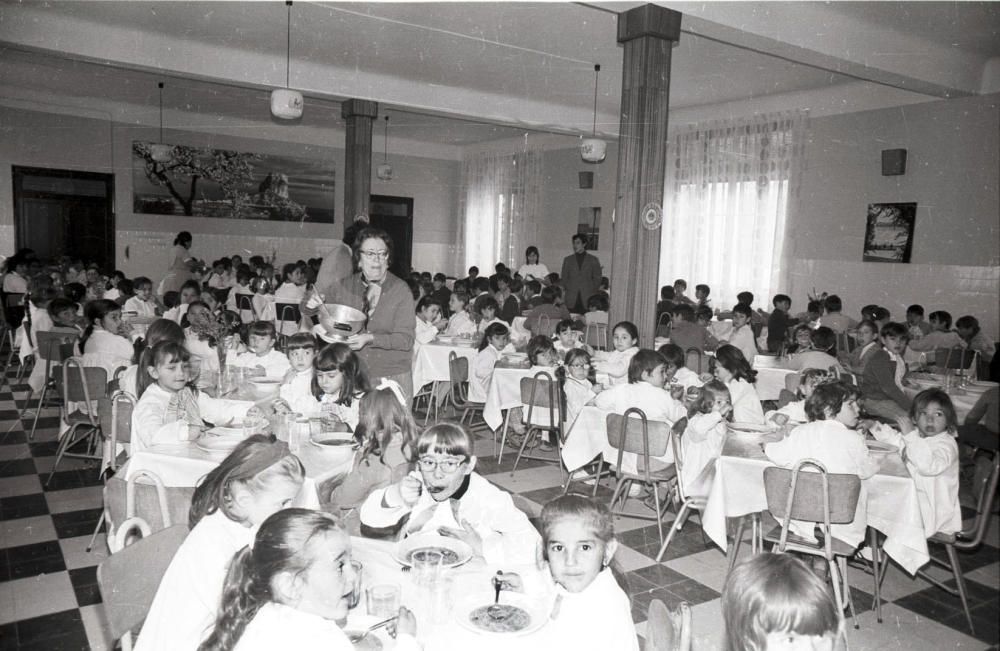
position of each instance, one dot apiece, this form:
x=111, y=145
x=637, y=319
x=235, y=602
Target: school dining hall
x=589, y=326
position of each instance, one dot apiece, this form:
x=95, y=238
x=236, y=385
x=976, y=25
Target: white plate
x=334, y=440
x=536, y=610
x=409, y=545
x=445, y=339
x=321, y=332
x=218, y=444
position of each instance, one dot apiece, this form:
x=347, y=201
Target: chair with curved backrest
x=966, y=540
x=86, y=385
x=143, y=496
x=823, y=498
x=541, y=400
x=244, y=305
x=54, y=348
x=115, y=414
x=668, y=630
x=662, y=325
x=458, y=390
x=286, y=320
x=544, y=326
x=956, y=358
x=695, y=359
x=595, y=335
x=128, y=579
x=632, y=432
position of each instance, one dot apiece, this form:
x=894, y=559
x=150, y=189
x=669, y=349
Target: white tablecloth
x=504, y=392
x=738, y=489
x=436, y=610
x=963, y=399
x=770, y=377
x=430, y=364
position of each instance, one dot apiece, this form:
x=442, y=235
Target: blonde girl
x=625, y=340
x=257, y=479
x=774, y=602
x=591, y=610
x=461, y=323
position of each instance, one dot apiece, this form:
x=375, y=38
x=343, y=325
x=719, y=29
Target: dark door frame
x=408, y=202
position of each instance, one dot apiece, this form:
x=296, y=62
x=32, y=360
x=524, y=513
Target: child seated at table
x=242, y=288
x=882, y=381
x=833, y=318
x=428, y=322
x=931, y=455
x=687, y=334
x=540, y=319
x=460, y=324
x=742, y=334
x=794, y=413
x=597, y=309
x=968, y=329
x=63, y=313
x=705, y=433
x=263, y=297
x=778, y=322
x=142, y=303
x=446, y=496
x=940, y=336
x=169, y=410
x=591, y=610
x=676, y=370
x=866, y=343
x=733, y=370
x=262, y=358
x=488, y=315
x=577, y=385
x=102, y=343
x=292, y=587
x=775, y=602
x=567, y=337
x=821, y=355
x=387, y=435
x=296, y=389
x=830, y=438
x=915, y=323
x=338, y=383
x=801, y=340
x=494, y=340
x=258, y=478
x=615, y=363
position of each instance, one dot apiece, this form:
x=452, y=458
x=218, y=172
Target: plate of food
x=237, y=428
x=454, y=552
x=332, y=439
x=514, y=615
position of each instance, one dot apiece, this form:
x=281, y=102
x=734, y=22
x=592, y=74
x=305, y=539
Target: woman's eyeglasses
x=447, y=466
x=375, y=255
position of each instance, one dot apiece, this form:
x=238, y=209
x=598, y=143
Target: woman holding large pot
x=386, y=344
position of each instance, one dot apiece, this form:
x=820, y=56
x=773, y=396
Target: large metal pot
x=340, y=321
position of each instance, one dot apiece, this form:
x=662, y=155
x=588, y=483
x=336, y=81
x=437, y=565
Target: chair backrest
x=821, y=497
x=116, y=420
x=677, y=431
x=844, y=343
x=52, y=346
x=541, y=392
x=544, y=325
x=596, y=335
x=458, y=378
x=955, y=358
x=668, y=630
x=632, y=432
x=985, y=495
x=694, y=359
x=83, y=383
x=287, y=318
x=145, y=497
x=128, y=579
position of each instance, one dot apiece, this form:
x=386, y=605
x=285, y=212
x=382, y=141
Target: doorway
x=65, y=213
x=394, y=215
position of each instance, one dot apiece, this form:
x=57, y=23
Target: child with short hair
x=830, y=438
x=687, y=334
x=615, y=363
x=293, y=283
x=940, y=336
x=244, y=278
x=677, y=371
x=597, y=309
x=822, y=354
x=833, y=318
x=445, y=495
x=775, y=602
x=428, y=322
x=296, y=389
x=577, y=385
x=567, y=337
x=794, y=413
x=338, y=383
x=968, y=329
x=801, y=340
x=705, y=433
x=680, y=286
x=460, y=323
x=733, y=370
x=258, y=478
x=882, y=380
x=261, y=358
x=915, y=322
x=488, y=314
x=591, y=610
x=866, y=339
x=742, y=334
x=778, y=322
x=701, y=293
x=931, y=455
x=142, y=303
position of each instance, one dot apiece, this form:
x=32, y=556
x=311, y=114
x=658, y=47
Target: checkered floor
x=49, y=598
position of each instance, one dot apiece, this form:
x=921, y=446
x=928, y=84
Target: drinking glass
x=383, y=600
x=427, y=565
x=355, y=597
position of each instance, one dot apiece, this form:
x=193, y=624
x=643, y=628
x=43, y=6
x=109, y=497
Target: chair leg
x=38, y=409
x=960, y=583
x=659, y=514
x=835, y=582
x=838, y=576
x=503, y=437
x=877, y=563
x=597, y=478
x=734, y=551
x=674, y=527
x=97, y=530
x=527, y=437
x=68, y=441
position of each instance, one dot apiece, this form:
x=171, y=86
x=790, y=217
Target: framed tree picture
x=889, y=232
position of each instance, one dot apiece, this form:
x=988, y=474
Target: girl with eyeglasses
x=577, y=386
x=444, y=495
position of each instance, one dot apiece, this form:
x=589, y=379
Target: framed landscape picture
x=889, y=232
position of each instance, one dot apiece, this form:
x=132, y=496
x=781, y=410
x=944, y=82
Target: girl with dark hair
x=257, y=479
x=532, y=269
x=159, y=330
x=625, y=344
x=733, y=370
x=102, y=343
x=495, y=339
x=338, y=384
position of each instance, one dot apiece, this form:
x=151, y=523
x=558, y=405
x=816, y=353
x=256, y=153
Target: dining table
x=771, y=374
x=963, y=398
x=430, y=361
x=504, y=391
x=737, y=489
x=441, y=604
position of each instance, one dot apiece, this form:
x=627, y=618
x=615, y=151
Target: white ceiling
x=500, y=66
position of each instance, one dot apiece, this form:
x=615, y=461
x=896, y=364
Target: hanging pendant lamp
x=159, y=151
x=384, y=171
x=593, y=149
x=286, y=103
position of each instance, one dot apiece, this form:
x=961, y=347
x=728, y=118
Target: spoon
x=356, y=637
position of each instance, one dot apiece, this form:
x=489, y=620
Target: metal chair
x=115, y=414
x=244, y=305
x=696, y=360
x=54, y=348
x=966, y=540
x=128, y=580
x=662, y=325
x=12, y=313
x=824, y=498
x=632, y=432
x=668, y=630
x=458, y=390
x=544, y=326
x=540, y=393
x=957, y=359
x=87, y=385
x=287, y=319
x=595, y=335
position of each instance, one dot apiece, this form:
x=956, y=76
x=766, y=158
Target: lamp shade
x=593, y=150
x=384, y=172
x=286, y=103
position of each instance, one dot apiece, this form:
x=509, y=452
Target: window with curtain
x=499, y=204
x=726, y=198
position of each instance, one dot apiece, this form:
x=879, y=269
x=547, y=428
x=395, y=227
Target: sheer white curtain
x=727, y=193
x=500, y=200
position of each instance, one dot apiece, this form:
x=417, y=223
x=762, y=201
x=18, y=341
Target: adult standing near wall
x=181, y=264
x=581, y=276
x=533, y=269
x=386, y=345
